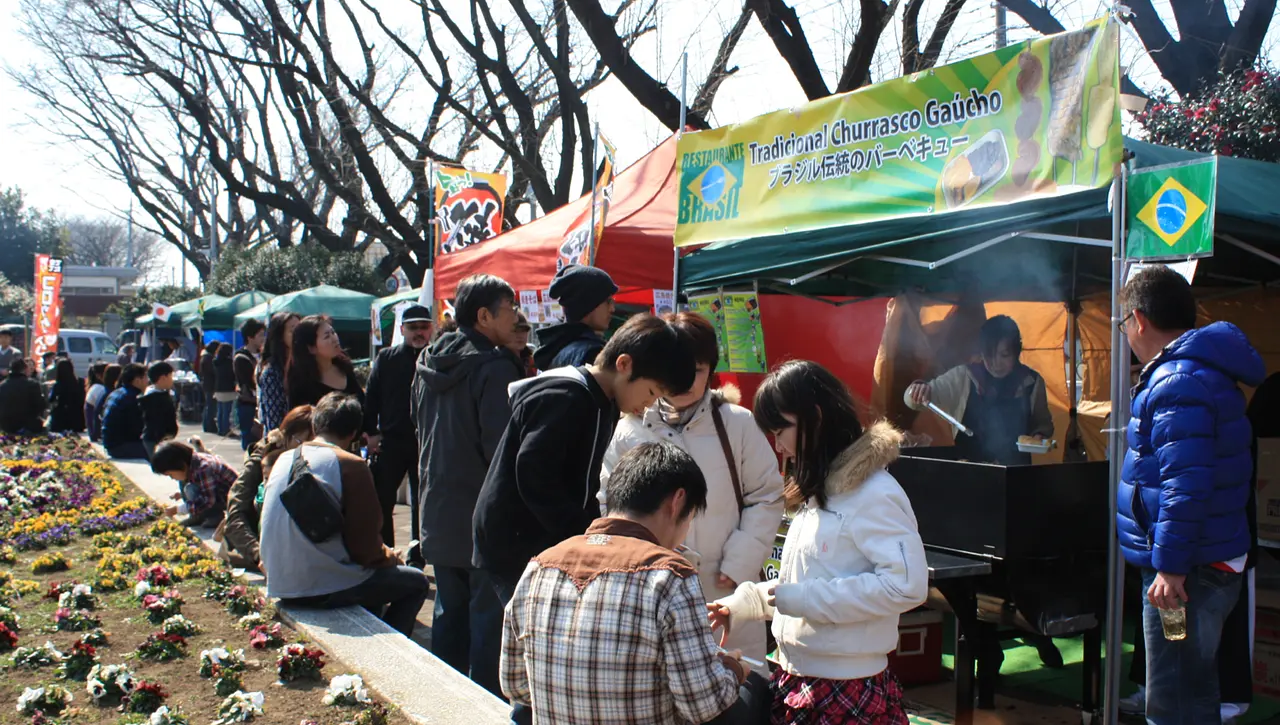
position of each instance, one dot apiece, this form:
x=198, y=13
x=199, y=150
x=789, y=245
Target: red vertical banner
x=48, y=312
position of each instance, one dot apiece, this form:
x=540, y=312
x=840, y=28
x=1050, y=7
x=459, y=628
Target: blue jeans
x=246, y=413
x=224, y=416
x=466, y=630
x=394, y=594
x=133, y=450
x=1182, y=676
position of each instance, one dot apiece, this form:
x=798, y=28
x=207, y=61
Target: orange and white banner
x=580, y=242
x=48, y=312
x=468, y=207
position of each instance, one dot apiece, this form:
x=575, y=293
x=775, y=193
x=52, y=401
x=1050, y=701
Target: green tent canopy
x=221, y=316
x=387, y=305
x=885, y=257
x=350, y=310
x=183, y=314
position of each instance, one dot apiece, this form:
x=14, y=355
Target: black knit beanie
x=579, y=290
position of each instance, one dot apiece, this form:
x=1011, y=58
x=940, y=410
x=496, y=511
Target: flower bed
x=111, y=613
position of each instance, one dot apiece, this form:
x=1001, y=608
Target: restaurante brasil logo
x=710, y=184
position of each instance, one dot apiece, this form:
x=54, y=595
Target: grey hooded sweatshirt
x=461, y=409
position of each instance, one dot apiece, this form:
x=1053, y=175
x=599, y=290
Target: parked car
x=86, y=347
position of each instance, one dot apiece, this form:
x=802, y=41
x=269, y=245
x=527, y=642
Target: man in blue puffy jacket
x=1184, y=485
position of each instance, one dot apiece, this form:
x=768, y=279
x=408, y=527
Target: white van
x=86, y=347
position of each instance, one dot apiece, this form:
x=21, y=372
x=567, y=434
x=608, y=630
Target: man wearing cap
x=389, y=425
x=586, y=294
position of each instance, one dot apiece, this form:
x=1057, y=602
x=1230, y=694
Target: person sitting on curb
x=623, y=614
x=354, y=566
x=204, y=478
x=244, y=504
x=159, y=414
x=122, y=421
x=22, y=401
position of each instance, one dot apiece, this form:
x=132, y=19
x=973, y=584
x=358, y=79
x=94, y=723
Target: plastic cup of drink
x=1174, y=622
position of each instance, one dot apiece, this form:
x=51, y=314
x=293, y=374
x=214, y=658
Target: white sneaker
x=1135, y=704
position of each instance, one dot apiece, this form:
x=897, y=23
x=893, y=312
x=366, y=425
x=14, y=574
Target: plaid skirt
x=799, y=700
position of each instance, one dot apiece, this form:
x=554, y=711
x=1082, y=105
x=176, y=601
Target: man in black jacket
x=208, y=384
x=586, y=295
x=22, y=401
x=388, y=425
x=159, y=414
x=244, y=363
x=461, y=409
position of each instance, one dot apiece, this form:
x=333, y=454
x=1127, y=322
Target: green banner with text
x=1170, y=210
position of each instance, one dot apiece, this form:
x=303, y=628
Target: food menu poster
x=1035, y=119
x=711, y=308
x=743, y=332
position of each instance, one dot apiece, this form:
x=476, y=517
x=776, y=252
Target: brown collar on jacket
x=612, y=546
x=877, y=448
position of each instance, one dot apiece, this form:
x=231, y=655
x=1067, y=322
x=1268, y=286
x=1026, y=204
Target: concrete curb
x=423, y=687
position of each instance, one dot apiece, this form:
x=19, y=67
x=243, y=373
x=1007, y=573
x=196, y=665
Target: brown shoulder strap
x=728, y=454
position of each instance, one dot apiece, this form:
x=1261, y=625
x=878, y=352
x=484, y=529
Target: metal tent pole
x=1119, y=418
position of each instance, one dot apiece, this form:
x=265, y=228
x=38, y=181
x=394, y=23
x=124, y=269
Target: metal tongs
x=947, y=417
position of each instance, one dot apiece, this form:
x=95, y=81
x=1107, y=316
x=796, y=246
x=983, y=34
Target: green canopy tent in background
x=183, y=314
x=386, y=306
x=349, y=310
x=885, y=257
x=221, y=315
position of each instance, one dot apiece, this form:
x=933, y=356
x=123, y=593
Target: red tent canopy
x=636, y=248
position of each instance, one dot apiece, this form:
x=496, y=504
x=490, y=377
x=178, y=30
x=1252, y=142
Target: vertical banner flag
x=580, y=242
x=711, y=307
x=664, y=301
x=48, y=307
x=1170, y=210
x=468, y=207
x=375, y=323
x=1034, y=119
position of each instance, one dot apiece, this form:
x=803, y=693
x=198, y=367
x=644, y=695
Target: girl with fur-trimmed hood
x=852, y=563
x=735, y=535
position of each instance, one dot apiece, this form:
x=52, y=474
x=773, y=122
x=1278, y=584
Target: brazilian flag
x=1171, y=209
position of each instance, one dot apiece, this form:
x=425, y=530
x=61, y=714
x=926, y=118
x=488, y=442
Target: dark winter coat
x=461, y=409
x=568, y=345
x=1187, y=472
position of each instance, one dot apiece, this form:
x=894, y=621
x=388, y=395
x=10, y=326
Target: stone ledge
x=426, y=689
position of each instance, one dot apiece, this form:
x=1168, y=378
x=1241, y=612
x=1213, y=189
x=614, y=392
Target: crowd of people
x=597, y=514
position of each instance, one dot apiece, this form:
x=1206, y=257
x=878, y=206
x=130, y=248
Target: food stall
x=986, y=182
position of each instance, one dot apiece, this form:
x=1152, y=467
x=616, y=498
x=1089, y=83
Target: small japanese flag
x=160, y=312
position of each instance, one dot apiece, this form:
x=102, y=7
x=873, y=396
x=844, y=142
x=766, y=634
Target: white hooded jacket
x=848, y=571
x=729, y=543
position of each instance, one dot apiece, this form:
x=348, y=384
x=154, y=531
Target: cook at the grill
x=999, y=399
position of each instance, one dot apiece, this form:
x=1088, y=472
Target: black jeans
x=397, y=457
x=754, y=705
x=394, y=594
x=466, y=631
x=246, y=412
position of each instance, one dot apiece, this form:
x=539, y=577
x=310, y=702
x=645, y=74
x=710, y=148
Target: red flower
x=84, y=650
x=8, y=640
x=1226, y=149
x=1213, y=105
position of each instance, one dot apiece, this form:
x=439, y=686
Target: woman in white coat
x=735, y=535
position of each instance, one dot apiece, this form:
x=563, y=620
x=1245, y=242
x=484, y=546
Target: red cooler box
x=918, y=659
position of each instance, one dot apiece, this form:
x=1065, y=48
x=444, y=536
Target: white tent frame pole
x=1119, y=393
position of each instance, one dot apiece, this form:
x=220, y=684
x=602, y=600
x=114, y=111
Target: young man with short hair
x=159, y=414
x=541, y=487
x=586, y=296
x=204, y=480
x=460, y=409
x=244, y=364
x=122, y=422
x=352, y=567
x=1184, y=486
x=610, y=627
